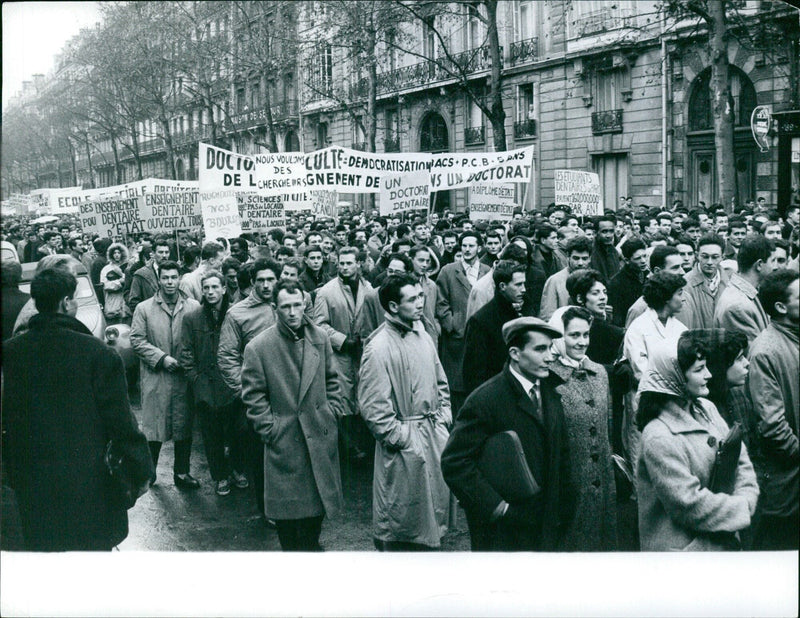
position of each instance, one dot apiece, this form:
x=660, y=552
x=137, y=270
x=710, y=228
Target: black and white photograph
x=400, y=308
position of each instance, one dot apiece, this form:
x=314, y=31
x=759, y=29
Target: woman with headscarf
x=587, y=407
x=112, y=278
x=681, y=434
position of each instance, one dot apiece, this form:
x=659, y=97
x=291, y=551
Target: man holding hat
x=522, y=398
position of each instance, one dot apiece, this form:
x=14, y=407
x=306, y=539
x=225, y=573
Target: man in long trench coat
x=156, y=337
x=405, y=401
x=291, y=389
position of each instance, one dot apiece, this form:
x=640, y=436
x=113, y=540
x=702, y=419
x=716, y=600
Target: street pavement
x=170, y=519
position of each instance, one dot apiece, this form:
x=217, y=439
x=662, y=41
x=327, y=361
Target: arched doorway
x=702, y=160
x=292, y=142
x=180, y=170
x=434, y=137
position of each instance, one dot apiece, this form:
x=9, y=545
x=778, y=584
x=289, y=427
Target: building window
x=323, y=68
x=701, y=103
x=241, y=102
x=474, y=28
x=322, y=135
x=359, y=139
x=607, y=95
x=474, y=133
x=391, y=49
x=525, y=124
x=255, y=95
x=613, y=171
x=391, y=140
x=429, y=37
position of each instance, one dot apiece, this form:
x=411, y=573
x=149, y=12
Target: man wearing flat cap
x=522, y=398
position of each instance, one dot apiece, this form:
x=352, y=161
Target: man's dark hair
x=160, y=241
x=284, y=250
x=658, y=258
x=390, y=290
x=265, y=264
x=494, y=234
x=190, y=254
x=775, y=289
x=311, y=249
x=48, y=235
x=737, y=223
x=101, y=245
x=50, y=286
x=581, y=281
x=401, y=257
x=169, y=265
x=73, y=241
x=659, y=288
x=504, y=271
x=381, y=220
x=10, y=273
x=291, y=287
x=400, y=242
x=690, y=223
x=211, y=250
x=276, y=234
x=417, y=249
x=631, y=246
x=754, y=247
x=579, y=244
x=450, y=234
x=230, y=262
x=512, y=251
x=711, y=239
x=293, y=262
x=543, y=231
x=475, y=234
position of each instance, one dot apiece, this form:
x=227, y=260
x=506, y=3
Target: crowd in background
x=305, y=350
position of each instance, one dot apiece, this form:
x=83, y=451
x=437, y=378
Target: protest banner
x=280, y=173
x=109, y=218
x=458, y=170
x=20, y=203
x=260, y=213
x=491, y=202
x=296, y=202
x=580, y=191
x=324, y=203
x=167, y=212
x=355, y=171
x=222, y=176
x=404, y=192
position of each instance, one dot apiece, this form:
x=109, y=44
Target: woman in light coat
x=112, y=278
x=681, y=432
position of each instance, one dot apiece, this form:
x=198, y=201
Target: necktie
x=536, y=395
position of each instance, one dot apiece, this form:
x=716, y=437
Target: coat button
x=590, y=402
x=592, y=430
x=712, y=441
x=595, y=457
x=325, y=432
x=596, y=483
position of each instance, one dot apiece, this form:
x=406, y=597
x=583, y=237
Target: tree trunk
x=722, y=106
x=169, y=148
x=72, y=160
x=135, y=149
x=117, y=165
x=498, y=115
x=92, y=184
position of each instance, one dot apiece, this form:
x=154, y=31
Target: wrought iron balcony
x=391, y=143
x=430, y=71
x=524, y=51
x=258, y=117
x=151, y=145
x=603, y=21
x=525, y=129
x=609, y=121
x=473, y=136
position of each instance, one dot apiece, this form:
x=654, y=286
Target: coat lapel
x=310, y=365
x=461, y=277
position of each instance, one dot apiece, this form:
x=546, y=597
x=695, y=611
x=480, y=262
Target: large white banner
x=223, y=174
x=353, y=171
x=280, y=173
x=580, y=191
x=458, y=170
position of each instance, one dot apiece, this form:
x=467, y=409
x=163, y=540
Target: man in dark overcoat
x=523, y=399
x=64, y=398
x=484, y=348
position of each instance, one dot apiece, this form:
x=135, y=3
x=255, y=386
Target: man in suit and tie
x=145, y=280
x=522, y=398
x=455, y=281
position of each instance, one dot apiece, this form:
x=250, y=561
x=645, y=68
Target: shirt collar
x=527, y=385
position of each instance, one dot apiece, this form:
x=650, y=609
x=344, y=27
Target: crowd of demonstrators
x=620, y=349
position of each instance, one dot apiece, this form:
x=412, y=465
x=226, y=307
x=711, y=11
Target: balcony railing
x=441, y=69
x=258, y=117
x=151, y=145
x=524, y=51
x=525, y=129
x=391, y=143
x=473, y=136
x=609, y=121
x=603, y=21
